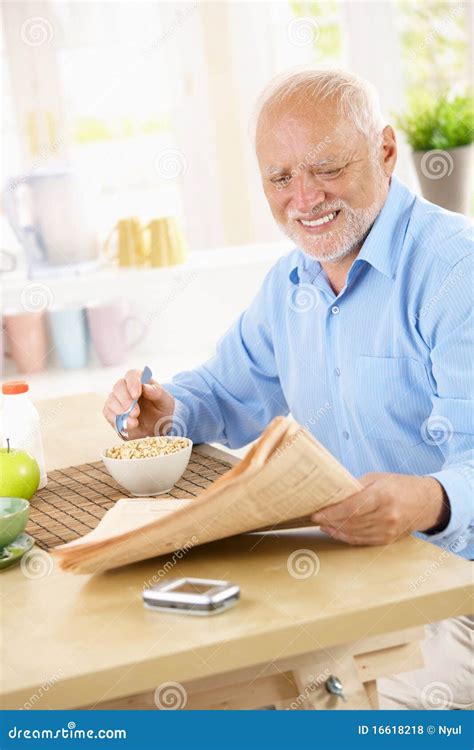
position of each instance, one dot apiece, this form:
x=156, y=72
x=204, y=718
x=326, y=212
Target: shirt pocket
x=393, y=398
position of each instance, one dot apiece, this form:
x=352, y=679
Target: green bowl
x=13, y=518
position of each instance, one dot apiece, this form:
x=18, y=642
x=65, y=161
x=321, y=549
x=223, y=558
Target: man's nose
x=307, y=193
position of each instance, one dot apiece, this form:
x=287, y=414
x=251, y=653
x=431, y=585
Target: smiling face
x=323, y=180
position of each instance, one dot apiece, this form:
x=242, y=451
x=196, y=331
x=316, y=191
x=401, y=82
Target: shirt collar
x=382, y=246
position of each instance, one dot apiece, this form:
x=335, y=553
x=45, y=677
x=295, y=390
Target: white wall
x=184, y=309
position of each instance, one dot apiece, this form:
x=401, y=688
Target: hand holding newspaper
x=285, y=477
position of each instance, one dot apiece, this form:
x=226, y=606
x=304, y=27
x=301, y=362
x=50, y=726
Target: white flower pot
x=445, y=177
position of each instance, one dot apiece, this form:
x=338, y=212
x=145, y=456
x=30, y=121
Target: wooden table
x=87, y=641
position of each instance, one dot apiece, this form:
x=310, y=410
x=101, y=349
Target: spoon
x=121, y=419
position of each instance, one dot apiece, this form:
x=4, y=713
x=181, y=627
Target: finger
x=153, y=391
x=373, y=536
x=356, y=525
x=109, y=415
x=359, y=504
x=122, y=394
x=133, y=383
x=336, y=533
x=361, y=539
x=367, y=479
x=135, y=413
x=114, y=405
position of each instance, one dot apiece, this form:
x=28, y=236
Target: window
x=11, y=154
x=99, y=94
x=435, y=46
x=319, y=24
x=117, y=90
x=153, y=99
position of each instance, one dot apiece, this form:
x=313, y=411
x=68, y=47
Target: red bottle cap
x=15, y=386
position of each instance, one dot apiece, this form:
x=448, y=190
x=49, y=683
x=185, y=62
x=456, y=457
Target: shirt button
x=337, y=372
x=335, y=310
x=346, y=434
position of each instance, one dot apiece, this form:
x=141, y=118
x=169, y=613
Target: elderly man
x=362, y=333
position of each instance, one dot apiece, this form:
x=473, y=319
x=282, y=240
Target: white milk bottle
x=20, y=423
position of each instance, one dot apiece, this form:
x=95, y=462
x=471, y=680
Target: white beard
x=335, y=244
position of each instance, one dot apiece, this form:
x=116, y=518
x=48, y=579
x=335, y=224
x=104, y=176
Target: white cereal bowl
x=149, y=476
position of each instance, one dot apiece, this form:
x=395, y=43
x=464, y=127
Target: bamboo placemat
x=76, y=498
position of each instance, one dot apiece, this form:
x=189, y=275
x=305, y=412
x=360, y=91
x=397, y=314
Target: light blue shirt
x=381, y=373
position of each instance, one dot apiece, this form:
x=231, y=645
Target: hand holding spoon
x=121, y=419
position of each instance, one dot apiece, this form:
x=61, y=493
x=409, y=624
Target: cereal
x=147, y=447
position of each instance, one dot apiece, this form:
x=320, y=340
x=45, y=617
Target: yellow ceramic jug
x=130, y=247
x=167, y=246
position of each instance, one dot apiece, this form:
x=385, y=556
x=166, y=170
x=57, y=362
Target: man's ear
x=389, y=150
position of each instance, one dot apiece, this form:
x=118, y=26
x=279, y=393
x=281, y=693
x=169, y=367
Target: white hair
x=356, y=98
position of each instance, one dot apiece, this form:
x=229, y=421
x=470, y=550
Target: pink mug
x=26, y=339
x=114, y=331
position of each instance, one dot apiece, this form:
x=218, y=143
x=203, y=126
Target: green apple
x=19, y=473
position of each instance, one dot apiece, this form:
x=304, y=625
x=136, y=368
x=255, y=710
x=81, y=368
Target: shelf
x=113, y=282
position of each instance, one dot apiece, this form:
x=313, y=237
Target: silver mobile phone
x=193, y=596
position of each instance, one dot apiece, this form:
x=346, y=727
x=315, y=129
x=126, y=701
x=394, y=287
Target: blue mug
x=70, y=336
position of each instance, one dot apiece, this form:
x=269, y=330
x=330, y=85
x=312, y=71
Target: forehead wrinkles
x=323, y=114
x=317, y=129
x=288, y=129
x=329, y=151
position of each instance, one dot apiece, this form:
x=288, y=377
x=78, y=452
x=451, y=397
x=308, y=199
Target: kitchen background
x=133, y=225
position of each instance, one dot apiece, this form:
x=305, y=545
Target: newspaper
x=285, y=477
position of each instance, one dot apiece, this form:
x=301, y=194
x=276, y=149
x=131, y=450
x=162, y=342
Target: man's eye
x=282, y=181
x=331, y=173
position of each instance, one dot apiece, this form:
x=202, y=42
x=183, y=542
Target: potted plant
x=441, y=131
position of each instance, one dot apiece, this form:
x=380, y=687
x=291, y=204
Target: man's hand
x=388, y=507
x=153, y=413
